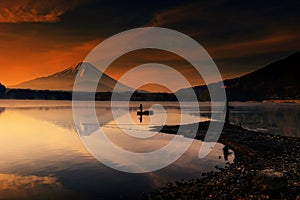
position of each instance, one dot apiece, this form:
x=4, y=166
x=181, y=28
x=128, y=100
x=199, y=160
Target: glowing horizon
x=43, y=38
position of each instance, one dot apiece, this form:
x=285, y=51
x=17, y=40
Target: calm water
x=274, y=118
x=42, y=156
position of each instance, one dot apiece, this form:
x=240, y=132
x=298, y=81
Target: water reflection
x=281, y=119
x=2, y=110
x=38, y=142
x=17, y=187
x=226, y=152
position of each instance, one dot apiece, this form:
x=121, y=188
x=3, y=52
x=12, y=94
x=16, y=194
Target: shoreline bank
x=266, y=166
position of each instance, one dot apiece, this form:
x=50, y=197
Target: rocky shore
x=265, y=167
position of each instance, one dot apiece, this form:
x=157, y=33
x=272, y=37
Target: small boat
x=141, y=113
x=146, y=112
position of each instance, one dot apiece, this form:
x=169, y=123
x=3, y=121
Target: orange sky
x=38, y=38
x=24, y=58
x=27, y=57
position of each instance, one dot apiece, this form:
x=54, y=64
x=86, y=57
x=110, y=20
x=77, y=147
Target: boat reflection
x=39, y=144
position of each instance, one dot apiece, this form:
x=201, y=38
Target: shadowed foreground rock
x=270, y=180
x=265, y=167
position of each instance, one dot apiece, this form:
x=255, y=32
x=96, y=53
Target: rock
x=270, y=180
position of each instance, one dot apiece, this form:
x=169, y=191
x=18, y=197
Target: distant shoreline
x=27, y=94
x=297, y=101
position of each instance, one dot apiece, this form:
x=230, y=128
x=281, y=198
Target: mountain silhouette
x=64, y=80
x=278, y=80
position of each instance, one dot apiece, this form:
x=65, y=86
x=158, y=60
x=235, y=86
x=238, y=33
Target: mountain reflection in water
x=39, y=145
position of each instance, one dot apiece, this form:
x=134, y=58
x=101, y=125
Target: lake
x=274, y=118
x=42, y=155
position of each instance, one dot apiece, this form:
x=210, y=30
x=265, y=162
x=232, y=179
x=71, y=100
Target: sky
x=38, y=38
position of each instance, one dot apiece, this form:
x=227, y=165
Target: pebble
x=259, y=158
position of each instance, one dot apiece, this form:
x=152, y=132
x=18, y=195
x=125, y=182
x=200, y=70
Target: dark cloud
x=241, y=36
x=235, y=31
x=19, y=11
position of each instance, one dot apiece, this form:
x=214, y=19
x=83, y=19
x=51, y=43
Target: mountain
x=278, y=80
x=2, y=89
x=64, y=80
